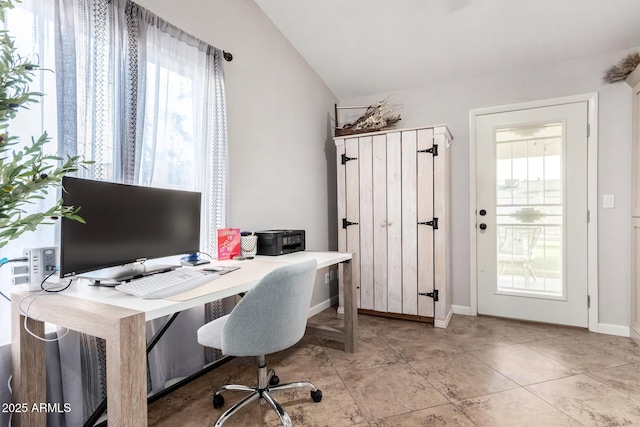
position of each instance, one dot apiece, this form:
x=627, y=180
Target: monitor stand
x=112, y=276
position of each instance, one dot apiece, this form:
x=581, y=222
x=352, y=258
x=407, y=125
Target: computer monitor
x=125, y=225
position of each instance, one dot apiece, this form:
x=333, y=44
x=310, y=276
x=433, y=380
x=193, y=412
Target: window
x=33, y=37
x=151, y=114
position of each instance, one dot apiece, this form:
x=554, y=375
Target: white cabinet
x=393, y=215
x=634, y=81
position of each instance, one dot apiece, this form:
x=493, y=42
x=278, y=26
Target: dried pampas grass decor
x=619, y=72
x=378, y=116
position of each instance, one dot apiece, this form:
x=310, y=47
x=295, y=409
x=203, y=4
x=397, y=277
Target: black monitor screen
x=125, y=223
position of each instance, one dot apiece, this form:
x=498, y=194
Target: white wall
x=281, y=156
x=449, y=102
x=279, y=125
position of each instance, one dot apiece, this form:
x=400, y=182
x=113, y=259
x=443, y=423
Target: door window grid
x=529, y=211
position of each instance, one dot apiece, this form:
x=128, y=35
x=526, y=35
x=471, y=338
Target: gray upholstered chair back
x=273, y=315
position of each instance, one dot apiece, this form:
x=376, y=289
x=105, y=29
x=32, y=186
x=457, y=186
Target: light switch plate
x=608, y=201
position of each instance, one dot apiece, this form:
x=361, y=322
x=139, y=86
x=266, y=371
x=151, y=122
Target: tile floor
x=480, y=371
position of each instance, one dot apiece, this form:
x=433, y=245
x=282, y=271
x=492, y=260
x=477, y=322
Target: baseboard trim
x=323, y=306
x=618, y=330
x=461, y=309
x=444, y=323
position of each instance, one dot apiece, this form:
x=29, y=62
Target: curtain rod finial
x=227, y=56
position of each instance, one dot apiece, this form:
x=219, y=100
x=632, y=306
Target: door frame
x=592, y=194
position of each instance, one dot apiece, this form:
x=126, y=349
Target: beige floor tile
x=388, y=326
x=462, y=376
x=523, y=365
x=440, y=416
x=620, y=346
x=391, y=390
x=301, y=363
x=403, y=370
x=192, y=405
x=578, y=355
x=590, y=401
x=521, y=332
x=373, y=352
x=458, y=319
x=421, y=348
x=336, y=409
x=625, y=379
x=477, y=319
x=474, y=337
x=513, y=408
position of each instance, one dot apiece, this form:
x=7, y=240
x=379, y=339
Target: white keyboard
x=162, y=285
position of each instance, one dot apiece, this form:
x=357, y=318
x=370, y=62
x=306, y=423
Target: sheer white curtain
x=31, y=27
x=146, y=102
x=150, y=111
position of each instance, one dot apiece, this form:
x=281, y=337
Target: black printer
x=280, y=242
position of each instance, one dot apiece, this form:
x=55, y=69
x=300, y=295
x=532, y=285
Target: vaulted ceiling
x=363, y=47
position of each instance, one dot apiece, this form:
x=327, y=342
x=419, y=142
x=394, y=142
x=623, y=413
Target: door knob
x=483, y=226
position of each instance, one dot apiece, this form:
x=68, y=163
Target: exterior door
x=531, y=214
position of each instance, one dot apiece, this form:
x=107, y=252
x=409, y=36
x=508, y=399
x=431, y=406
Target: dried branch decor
x=378, y=116
x=619, y=72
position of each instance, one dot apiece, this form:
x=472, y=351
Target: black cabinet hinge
x=433, y=150
x=346, y=223
x=345, y=159
x=433, y=223
x=433, y=294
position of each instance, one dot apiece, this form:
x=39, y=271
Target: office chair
x=269, y=318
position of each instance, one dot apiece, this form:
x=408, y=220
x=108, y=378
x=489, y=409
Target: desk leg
x=127, y=374
x=350, y=310
x=29, y=370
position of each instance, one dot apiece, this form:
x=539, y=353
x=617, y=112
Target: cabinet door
x=409, y=223
x=394, y=223
x=425, y=192
x=352, y=207
x=380, y=223
x=365, y=166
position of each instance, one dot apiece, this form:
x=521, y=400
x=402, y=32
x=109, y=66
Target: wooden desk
x=120, y=320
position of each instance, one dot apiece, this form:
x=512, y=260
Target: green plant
x=26, y=174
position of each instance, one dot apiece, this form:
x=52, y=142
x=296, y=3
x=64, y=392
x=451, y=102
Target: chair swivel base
x=268, y=383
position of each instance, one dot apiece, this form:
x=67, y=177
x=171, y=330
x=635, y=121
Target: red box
x=228, y=243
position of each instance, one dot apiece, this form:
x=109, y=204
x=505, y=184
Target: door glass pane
x=529, y=209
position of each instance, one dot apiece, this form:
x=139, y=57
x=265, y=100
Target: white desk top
x=154, y=309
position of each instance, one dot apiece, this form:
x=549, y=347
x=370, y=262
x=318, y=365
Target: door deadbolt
x=483, y=212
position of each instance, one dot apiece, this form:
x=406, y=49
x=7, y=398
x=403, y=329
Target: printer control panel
x=292, y=240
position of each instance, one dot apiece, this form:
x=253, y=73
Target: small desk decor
x=228, y=243
x=249, y=244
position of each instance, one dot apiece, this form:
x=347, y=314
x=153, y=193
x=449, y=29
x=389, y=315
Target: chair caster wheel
x=218, y=401
x=316, y=396
x=275, y=380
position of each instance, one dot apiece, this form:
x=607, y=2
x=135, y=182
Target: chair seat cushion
x=210, y=335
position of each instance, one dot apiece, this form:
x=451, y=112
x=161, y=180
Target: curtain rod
x=227, y=56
